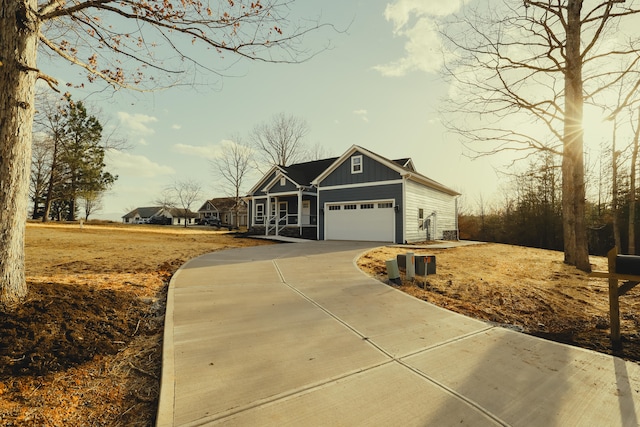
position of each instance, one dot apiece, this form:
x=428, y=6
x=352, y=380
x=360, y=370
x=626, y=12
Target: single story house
x=357, y=196
x=224, y=208
x=160, y=215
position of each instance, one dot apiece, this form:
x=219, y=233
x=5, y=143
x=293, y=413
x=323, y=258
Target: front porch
x=292, y=215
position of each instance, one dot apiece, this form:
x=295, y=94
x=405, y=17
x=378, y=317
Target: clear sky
x=376, y=86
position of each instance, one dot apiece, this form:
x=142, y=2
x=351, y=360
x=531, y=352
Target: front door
x=306, y=212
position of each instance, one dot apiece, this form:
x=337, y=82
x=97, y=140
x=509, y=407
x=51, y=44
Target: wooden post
x=614, y=303
x=629, y=274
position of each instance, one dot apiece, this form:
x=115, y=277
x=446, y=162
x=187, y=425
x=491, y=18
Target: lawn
x=526, y=289
x=86, y=347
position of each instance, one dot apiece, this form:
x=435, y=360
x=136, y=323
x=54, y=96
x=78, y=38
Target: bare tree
x=526, y=69
x=185, y=193
x=231, y=168
x=280, y=141
x=614, y=186
x=91, y=202
x=40, y=172
x=167, y=198
x=318, y=152
x=160, y=41
x=632, y=186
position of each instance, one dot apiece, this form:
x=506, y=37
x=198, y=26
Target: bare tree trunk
x=614, y=190
x=18, y=74
x=576, y=249
x=632, y=190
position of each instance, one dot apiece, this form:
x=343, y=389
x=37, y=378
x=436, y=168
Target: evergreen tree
x=78, y=161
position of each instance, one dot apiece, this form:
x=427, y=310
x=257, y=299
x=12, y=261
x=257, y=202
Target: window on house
x=334, y=207
x=283, y=182
x=420, y=213
x=356, y=164
x=366, y=206
x=350, y=207
x=385, y=205
x=259, y=211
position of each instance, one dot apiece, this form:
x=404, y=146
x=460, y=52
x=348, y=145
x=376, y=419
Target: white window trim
x=353, y=164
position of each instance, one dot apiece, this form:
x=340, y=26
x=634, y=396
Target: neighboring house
x=357, y=196
x=142, y=215
x=224, y=208
x=160, y=215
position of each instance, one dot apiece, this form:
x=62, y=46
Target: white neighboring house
x=160, y=215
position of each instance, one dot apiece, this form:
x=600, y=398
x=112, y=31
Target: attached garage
x=366, y=221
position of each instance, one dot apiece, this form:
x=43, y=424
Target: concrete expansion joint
x=334, y=316
x=455, y=394
x=300, y=391
x=447, y=342
x=392, y=358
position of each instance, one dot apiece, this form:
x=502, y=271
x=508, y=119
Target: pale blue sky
x=377, y=86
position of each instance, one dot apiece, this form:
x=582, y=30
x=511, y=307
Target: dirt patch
x=85, y=349
x=530, y=290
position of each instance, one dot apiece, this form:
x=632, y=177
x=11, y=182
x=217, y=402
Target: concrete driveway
x=294, y=334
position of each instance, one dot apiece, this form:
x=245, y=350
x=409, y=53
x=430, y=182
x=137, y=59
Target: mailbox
x=628, y=264
x=425, y=265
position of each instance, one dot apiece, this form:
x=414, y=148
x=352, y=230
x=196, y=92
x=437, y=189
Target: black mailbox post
x=627, y=269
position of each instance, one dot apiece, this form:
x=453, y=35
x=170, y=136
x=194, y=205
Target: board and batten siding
x=361, y=194
x=418, y=197
x=288, y=187
x=372, y=171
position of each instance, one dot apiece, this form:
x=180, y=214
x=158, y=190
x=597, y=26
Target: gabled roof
x=223, y=204
x=301, y=174
x=264, y=178
x=405, y=171
x=406, y=163
x=144, y=212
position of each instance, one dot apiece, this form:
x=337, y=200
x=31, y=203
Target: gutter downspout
x=404, y=210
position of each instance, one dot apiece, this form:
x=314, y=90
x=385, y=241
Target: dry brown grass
x=85, y=349
x=524, y=288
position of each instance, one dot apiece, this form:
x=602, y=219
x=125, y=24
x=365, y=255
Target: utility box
x=402, y=262
x=425, y=265
x=628, y=264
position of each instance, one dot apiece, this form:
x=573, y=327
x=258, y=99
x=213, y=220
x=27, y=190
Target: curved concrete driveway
x=295, y=334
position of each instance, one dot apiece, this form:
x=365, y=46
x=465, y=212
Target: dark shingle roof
x=402, y=162
x=225, y=203
x=144, y=212
x=304, y=173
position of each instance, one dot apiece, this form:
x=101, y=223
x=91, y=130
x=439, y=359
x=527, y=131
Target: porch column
x=277, y=213
x=267, y=219
x=300, y=211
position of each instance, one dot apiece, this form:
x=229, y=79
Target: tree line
x=529, y=213
x=67, y=168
